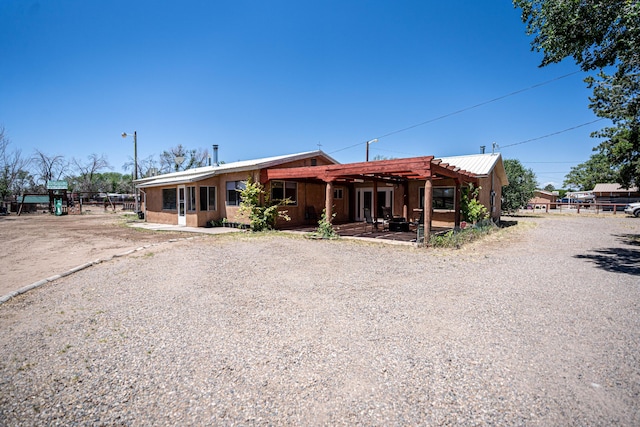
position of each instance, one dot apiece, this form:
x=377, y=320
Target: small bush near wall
x=455, y=239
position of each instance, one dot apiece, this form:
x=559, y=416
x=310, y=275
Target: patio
x=362, y=230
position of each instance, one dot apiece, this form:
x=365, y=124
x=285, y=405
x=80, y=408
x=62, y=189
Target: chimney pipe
x=482, y=147
x=215, y=155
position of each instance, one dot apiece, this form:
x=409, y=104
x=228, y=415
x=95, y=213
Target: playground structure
x=59, y=201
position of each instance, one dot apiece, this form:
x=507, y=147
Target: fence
x=579, y=207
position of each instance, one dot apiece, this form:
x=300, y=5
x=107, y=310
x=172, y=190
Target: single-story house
x=314, y=181
x=543, y=199
x=614, y=193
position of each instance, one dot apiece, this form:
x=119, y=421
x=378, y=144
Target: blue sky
x=263, y=78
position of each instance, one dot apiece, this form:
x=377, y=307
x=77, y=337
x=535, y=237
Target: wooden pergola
x=396, y=171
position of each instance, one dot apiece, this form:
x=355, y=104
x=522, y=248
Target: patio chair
x=386, y=217
x=368, y=220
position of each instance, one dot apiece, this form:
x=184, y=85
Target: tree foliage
x=13, y=173
x=87, y=178
x=586, y=175
x=617, y=99
x=180, y=158
x=598, y=35
x=48, y=167
x=472, y=210
x=258, y=206
x=521, y=188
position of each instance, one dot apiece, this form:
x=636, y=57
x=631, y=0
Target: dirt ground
x=36, y=246
x=537, y=324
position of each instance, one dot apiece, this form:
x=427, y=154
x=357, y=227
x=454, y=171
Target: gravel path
x=539, y=325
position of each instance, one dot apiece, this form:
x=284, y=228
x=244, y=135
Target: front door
x=364, y=199
x=182, y=218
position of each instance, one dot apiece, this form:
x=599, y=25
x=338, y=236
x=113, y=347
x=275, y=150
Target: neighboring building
x=543, y=199
x=314, y=181
x=613, y=193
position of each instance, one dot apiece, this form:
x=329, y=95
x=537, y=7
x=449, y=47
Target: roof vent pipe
x=215, y=155
x=482, y=147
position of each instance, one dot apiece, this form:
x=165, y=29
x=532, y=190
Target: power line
x=551, y=134
x=463, y=110
x=479, y=105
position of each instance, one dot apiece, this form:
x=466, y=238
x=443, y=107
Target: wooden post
x=428, y=202
x=328, y=201
x=405, y=201
x=457, y=206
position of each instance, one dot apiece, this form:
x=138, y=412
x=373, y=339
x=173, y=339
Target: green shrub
x=262, y=216
x=325, y=229
x=472, y=210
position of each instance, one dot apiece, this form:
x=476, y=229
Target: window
x=191, y=199
x=207, y=198
x=233, y=195
x=169, y=199
x=337, y=193
x=443, y=198
x=281, y=190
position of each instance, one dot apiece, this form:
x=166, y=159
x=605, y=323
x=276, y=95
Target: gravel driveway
x=538, y=325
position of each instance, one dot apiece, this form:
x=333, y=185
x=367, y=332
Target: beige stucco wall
x=307, y=193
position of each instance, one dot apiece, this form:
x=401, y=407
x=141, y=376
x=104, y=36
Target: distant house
x=314, y=181
x=543, y=199
x=613, y=193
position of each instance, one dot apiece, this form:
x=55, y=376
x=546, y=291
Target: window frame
x=338, y=193
x=191, y=199
x=441, y=207
x=167, y=204
x=206, y=201
x=238, y=185
x=287, y=188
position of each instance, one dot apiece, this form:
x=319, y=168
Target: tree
x=472, y=210
x=549, y=187
x=13, y=166
x=48, y=168
x=521, y=188
x=598, y=34
x=180, y=158
x=262, y=216
x=618, y=99
x=88, y=174
x=586, y=175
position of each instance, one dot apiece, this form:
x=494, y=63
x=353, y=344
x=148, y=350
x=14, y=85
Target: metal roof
x=613, y=188
x=197, y=174
x=481, y=165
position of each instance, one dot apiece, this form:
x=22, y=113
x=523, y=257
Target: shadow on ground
x=505, y=224
x=619, y=260
x=629, y=239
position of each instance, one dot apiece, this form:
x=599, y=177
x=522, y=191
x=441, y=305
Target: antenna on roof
x=494, y=147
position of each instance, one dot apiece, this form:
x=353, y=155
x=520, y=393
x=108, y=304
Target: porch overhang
x=395, y=170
